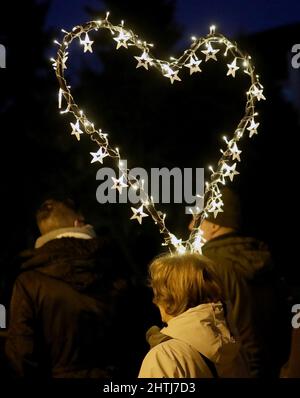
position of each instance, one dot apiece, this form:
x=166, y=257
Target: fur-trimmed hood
x=81, y=263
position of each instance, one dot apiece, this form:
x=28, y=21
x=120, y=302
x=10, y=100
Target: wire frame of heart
x=170, y=69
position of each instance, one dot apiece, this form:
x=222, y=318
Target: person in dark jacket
x=65, y=301
x=252, y=287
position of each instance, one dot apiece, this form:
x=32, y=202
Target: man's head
x=212, y=230
x=180, y=282
x=227, y=221
x=54, y=214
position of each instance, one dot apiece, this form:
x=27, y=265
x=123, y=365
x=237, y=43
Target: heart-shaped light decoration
x=210, y=46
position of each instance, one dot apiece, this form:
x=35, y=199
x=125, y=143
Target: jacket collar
x=85, y=232
x=224, y=236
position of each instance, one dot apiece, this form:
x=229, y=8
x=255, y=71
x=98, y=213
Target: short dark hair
x=46, y=208
x=54, y=213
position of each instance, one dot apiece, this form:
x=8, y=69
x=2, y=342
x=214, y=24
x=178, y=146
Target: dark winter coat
x=257, y=307
x=63, y=310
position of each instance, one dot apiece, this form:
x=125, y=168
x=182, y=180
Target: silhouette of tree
x=24, y=110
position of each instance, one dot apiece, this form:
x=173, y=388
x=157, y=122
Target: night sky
x=231, y=16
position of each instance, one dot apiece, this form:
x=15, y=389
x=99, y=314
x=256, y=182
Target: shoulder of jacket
x=28, y=279
x=159, y=362
x=165, y=348
x=172, y=348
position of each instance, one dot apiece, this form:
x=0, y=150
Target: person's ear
x=214, y=229
x=79, y=222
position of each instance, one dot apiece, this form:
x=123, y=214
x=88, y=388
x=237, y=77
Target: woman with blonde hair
x=197, y=341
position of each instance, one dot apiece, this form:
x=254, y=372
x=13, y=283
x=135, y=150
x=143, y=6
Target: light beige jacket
x=201, y=329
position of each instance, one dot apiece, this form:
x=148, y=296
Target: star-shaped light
x=194, y=65
x=144, y=60
x=99, y=155
x=216, y=207
x=252, y=128
x=76, y=130
x=258, y=93
x=235, y=152
x=170, y=73
x=119, y=184
x=122, y=39
x=230, y=171
x=87, y=43
x=199, y=241
x=210, y=53
x=232, y=68
x=177, y=243
x=138, y=214
x=181, y=249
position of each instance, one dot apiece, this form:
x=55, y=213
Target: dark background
x=153, y=123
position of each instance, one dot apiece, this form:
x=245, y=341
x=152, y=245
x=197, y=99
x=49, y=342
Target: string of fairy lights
x=201, y=51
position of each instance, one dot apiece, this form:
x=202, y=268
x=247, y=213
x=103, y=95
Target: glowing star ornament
x=229, y=171
x=258, y=93
x=122, y=39
x=178, y=244
x=233, y=172
x=252, y=128
x=194, y=65
x=181, y=249
x=76, y=130
x=119, y=184
x=235, y=152
x=232, y=68
x=144, y=60
x=210, y=53
x=138, y=214
x=99, y=155
x=171, y=74
x=199, y=241
x=217, y=207
x=87, y=43
x=233, y=148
